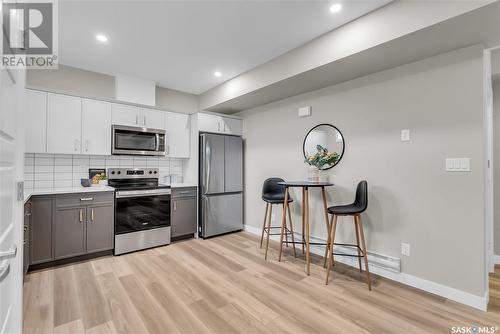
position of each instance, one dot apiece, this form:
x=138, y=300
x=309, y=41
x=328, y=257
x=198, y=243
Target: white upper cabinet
x=126, y=115
x=153, y=119
x=96, y=127
x=219, y=124
x=233, y=126
x=64, y=124
x=36, y=124
x=177, y=128
x=210, y=123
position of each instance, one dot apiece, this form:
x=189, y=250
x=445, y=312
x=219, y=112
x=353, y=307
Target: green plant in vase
x=322, y=158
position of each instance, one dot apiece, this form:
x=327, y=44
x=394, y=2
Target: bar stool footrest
x=349, y=245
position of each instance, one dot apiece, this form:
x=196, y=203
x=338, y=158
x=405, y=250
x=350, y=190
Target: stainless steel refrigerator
x=221, y=184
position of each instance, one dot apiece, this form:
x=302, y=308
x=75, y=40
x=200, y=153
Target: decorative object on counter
x=95, y=174
x=323, y=149
x=85, y=182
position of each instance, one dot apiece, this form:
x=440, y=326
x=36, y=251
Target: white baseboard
x=496, y=259
x=383, y=270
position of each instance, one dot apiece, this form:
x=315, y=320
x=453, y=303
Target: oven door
x=141, y=210
x=137, y=141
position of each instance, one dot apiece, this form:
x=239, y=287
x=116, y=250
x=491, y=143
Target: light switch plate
x=458, y=165
x=405, y=135
x=305, y=111
x=405, y=249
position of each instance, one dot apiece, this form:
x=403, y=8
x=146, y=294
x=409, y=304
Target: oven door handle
x=130, y=194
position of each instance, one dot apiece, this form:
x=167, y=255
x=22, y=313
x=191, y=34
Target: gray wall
x=75, y=81
x=412, y=198
x=496, y=164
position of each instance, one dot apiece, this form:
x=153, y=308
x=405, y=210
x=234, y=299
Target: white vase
x=313, y=174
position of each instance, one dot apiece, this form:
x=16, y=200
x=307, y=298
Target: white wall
x=75, y=81
x=412, y=198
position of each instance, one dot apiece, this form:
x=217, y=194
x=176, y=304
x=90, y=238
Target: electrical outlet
x=405, y=135
x=405, y=249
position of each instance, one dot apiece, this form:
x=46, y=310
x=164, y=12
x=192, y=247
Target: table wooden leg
x=291, y=231
x=283, y=222
x=325, y=209
x=308, y=253
x=303, y=218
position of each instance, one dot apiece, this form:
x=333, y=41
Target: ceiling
x=179, y=44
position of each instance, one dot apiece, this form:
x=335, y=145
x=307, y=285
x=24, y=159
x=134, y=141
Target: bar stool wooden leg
x=308, y=253
x=286, y=232
x=303, y=218
x=264, y=225
x=269, y=228
x=325, y=209
x=330, y=252
x=291, y=232
x=356, y=226
x=283, y=221
x=362, y=235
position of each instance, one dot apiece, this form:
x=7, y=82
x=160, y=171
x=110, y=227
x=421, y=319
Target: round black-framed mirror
x=323, y=146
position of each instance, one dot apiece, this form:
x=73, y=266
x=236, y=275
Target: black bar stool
x=355, y=209
x=273, y=193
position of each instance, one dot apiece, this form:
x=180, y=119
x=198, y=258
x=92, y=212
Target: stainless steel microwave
x=133, y=140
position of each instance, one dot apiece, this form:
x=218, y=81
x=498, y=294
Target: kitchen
x=216, y=167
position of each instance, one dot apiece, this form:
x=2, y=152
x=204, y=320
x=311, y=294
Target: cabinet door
x=183, y=217
x=36, y=121
x=40, y=239
x=126, y=115
x=233, y=126
x=100, y=228
x=153, y=119
x=96, y=127
x=210, y=123
x=177, y=128
x=69, y=232
x=64, y=124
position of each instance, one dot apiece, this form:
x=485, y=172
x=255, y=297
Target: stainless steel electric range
x=142, y=209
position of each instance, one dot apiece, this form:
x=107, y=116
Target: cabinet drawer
x=184, y=192
x=70, y=200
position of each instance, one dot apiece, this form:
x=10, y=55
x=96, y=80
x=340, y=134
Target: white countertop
x=54, y=191
x=182, y=185
x=80, y=189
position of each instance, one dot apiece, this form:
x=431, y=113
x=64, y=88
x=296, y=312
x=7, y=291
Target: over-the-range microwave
x=133, y=140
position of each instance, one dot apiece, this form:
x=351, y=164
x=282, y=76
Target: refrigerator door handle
x=206, y=162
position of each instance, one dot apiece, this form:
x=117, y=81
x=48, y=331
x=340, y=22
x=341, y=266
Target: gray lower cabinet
x=65, y=226
x=183, y=212
x=100, y=233
x=69, y=232
x=41, y=229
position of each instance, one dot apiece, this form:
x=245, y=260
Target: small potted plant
x=100, y=179
x=320, y=160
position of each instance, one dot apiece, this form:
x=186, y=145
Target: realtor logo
x=29, y=34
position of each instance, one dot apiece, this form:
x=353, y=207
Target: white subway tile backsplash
x=65, y=170
x=63, y=183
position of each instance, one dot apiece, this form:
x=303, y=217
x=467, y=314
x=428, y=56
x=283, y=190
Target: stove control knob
x=150, y=172
x=156, y=172
x=119, y=172
x=113, y=172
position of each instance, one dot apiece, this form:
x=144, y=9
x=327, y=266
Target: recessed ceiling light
x=101, y=38
x=217, y=74
x=335, y=8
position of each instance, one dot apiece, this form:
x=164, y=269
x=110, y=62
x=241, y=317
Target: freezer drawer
x=221, y=214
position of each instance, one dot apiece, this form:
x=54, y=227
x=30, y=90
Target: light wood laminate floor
x=223, y=285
